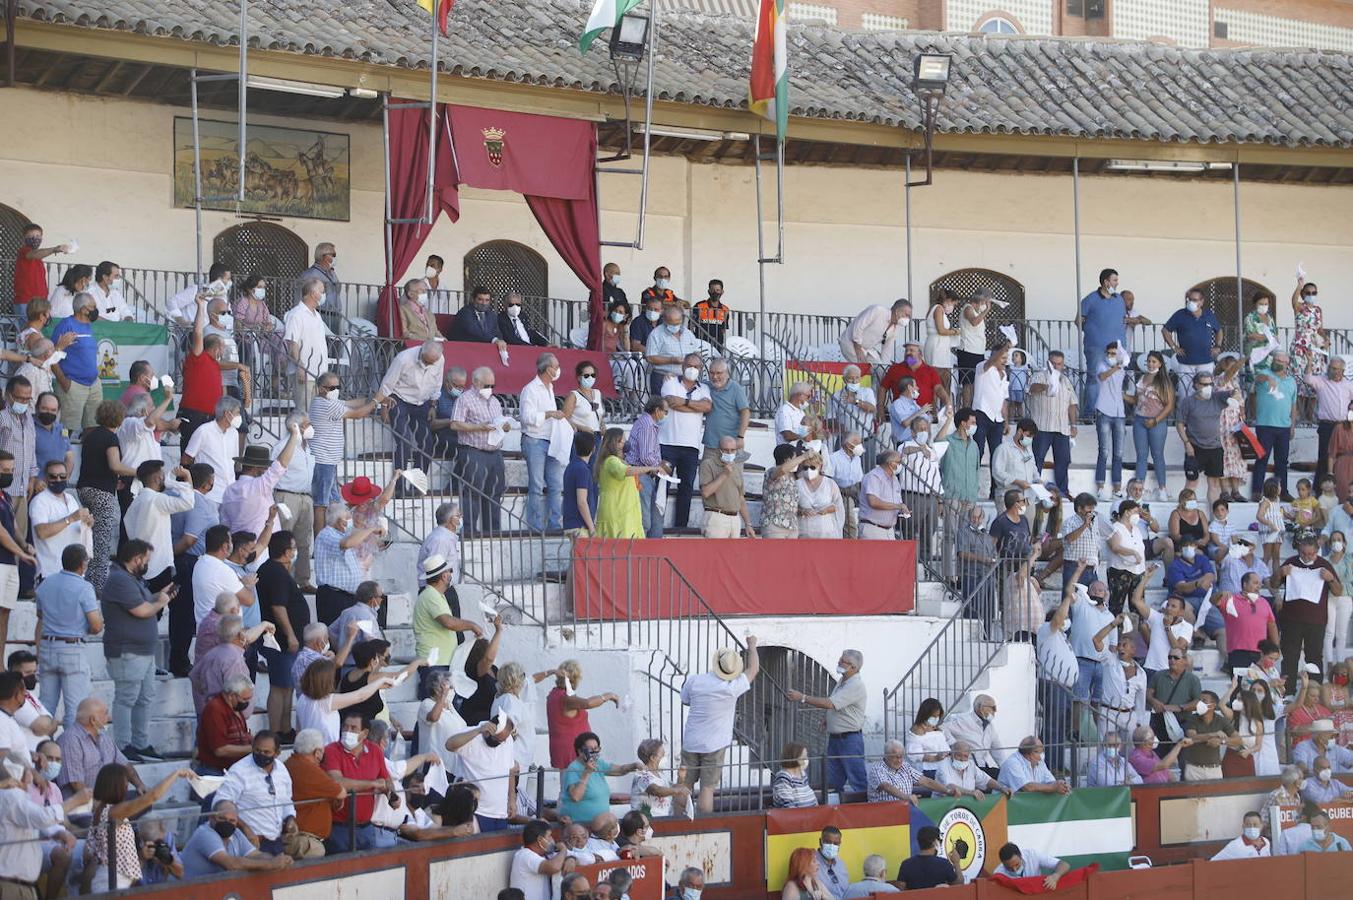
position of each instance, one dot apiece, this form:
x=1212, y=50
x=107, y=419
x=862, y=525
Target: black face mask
x=492, y=740
x=93, y=315
x=242, y=706
x=31, y=682
x=6, y=480
x=249, y=560
x=262, y=760
x=57, y=487
x=225, y=829
x=418, y=801
x=46, y=418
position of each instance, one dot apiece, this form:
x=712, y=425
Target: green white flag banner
x=1086, y=826
x=605, y=14
x=119, y=344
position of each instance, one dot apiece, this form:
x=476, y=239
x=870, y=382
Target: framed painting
x=288, y=171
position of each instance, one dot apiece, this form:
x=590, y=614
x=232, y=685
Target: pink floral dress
x=1310, y=319
x=1233, y=464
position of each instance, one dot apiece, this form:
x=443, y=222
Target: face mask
x=1336, y=546
x=1310, y=298
x=857, y=450
x=31, y=681
x=810, y=473
x=587, y=380
x=841, y=671
x=673, y=329
x=350, y=740
x=235, y=423
x=486, y=392
x=1205, y=392
x=830, y=851
x=960, y=765
x=970, y=430
x=855, y=387
x=47, y=418
x=1236, y=551
x=691, y=373
x=430, y=272
x=1252, y=596
x=1201, y=708
x=1111, y=358
x=662, y=284
x=227, y=321
x=615, y=280
x=1191, y=306
x=35, y=241
x=51, y=770
x=1318, y=834
x=911, y=361
x=260, y=293
x=728, y=457
x=690, y=893
x=308, y=433
x=1026, y=442
x=1325, y=774
x=332, y=393
x=514, y=310
x=1188, y=552
x=1132, y=520
x=922, y=437
x=1190, y=504
x=652, y=315
x=1251, y=833
x=262, y=760
x=6, y=480
x=19, y=409
x=933, y=721
x=617, y=317
x=1262, y=309
x=57, y=487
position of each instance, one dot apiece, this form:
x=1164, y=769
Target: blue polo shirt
x=726, y=415
x=596, y=795
x=50, y=443
x=577, y=477
x=81, y=362
x=1103, y=320
x=1182, y=570
x=63, y=600
x=1271, y=411
x=1195, y=335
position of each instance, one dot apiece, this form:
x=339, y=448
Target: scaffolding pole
x=762, y=260
x=1240, y=282
x=242, y=78
x=1076, y=224
x=906, y=206
x=627, y=84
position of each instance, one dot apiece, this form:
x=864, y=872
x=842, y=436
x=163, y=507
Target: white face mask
x=227, y=321
x=857, y=450
x=332, y=393
x=235, y=423
x=514, y=310
x=1191, y=306
x=617, y=317
x=587, y=380
x=1253, y=596
x=971, y=430
x=430, y=272
x=933, y=721
x=728, y=457
x=1132, y=520
x=652, y=315
x=662, y=284
x=308, y=433
x=486, y=392
x=691, y=373
x=810, y=473
x=1201, y=708
x=922, y=437
x=260, y=293
x=350, y=739
x=1188, y=552
x=1325, y=774
x=1190, y=504
x=1251, y=833
x=960, y=764
x=1319, y=834
x=1262, y=309
x=1336, y=546
x=840, y=671
x=1205, y=392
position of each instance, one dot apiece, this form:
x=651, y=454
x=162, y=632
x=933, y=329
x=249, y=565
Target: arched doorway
x=263, y=248
x=1220, y=294
x=965, y=283
x=11, y=236
x=503, y=266
x=766, y=720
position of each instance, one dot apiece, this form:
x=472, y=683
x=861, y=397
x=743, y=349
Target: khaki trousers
x=302, y=528
x=717, y=525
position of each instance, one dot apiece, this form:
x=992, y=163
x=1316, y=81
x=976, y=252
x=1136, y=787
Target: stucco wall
x=99, y=170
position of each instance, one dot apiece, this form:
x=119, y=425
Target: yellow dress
x=618, y=512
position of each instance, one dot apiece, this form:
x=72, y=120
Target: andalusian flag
x=769, y=89
x=440, y=8
x=1089, y=825
x=975, y=829
x=605, y=14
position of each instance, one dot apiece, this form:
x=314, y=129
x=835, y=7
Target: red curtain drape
x=571, y=226
x=408, y=199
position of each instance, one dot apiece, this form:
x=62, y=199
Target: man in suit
x=516, y=329
x=477, y=323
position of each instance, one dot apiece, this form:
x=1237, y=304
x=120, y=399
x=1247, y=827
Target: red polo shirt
x=218, y=726
x=201, y=383
x=368, y=766
x=30, y=278
x=926, y=380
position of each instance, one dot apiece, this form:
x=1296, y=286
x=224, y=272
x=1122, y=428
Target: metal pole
x=243, y=91
x=648, y=122
x=1076, y=211
x=906, y=205
x=1240, y=282
x=197, y=171
x=430, y=214
x=760, y=250
x=780, y=199
x=389, y=228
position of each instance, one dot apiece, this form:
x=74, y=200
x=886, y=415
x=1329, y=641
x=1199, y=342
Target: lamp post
x=930, y=78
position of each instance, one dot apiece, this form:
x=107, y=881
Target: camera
x=163, y=854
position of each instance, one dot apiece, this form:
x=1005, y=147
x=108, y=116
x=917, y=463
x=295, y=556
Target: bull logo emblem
x=494, y=144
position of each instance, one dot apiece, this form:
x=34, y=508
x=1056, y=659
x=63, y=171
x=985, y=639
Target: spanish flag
x=866, y=828
x=768, y=91
x=440, y=8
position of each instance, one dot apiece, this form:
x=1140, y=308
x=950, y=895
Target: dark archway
x=503, y=266
x=262, y=248
x=1221, y=298
x=11, y=236
x=766, y=720
x=965, y=283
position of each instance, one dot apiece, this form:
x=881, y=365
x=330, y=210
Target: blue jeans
x=1090, y=683
x=544, y=476
x=1110, y=428
x=1093, y=357
x=133, y=690
x=369, y=837
x=487, y=824
x=648, y=490
x=1212, y=620
x=1150, y=441
x=324, y=484
x=845, y=762
x=1276, y=443
x=1060, y=444
x=63, y=673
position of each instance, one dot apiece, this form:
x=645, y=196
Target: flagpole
x=760, y=251
x=429, y=212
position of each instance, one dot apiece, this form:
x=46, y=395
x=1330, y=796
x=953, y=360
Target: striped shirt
x=1051, y=413
x=335, y=566
x=903, y=778
x=326, y=417
x=642, y=448
x=473, y=409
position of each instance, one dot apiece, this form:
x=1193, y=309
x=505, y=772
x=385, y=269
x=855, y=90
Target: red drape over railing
x=549, y=160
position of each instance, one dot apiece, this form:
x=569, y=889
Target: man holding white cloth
x=544, y=472
x=1304, y=609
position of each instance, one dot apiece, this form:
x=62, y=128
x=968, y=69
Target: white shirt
x=46, y=508
x=980, y=736
x=112, y=305
x=488, y=767
x=410, y=380
x=297, y=478
x=537, y=399
x=1128, y=539
x=602, y=851
x=683, y=429
x=920, y=746
x=1087, y=620
x=15, y=743
x=1056, y=660
x=525, y=875
x=1035, y=863
x=432, y=736
x=440, y=540
x=63, y=302
x=261, y=809
x=310, y=713
x=22, y=822
x=945, y=773
x=218, y=449
x=1238, y=849
x=712, y=702
x=788, y=418
x=992, y=389
x=148, y=519
x=41, y=378
x=1158, y=650
x=846, y=469
x=921, y=472
x=519, y=711
x=31, y=710
x=303, y=327
x=212, y=577
x=136, y=440
x=183, y=304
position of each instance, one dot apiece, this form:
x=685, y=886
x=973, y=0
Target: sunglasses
x=1176, y=657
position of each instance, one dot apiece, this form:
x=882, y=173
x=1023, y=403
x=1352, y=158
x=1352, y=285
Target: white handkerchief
x=368, y=628
x=433, y=655
x=73, y=244
x=1231, y=606
x=1001, y=303
x=402, y=677
x=83, y=809
x=283, y=513
x=568, y=687
x=670, y=479
x=203, y=785
x=270, y=642
x=500, y=720
x=489, y=610
x=435, y=779
x=1010, y=334
x=1305, y=584
x=497, y=435
x=418, y=478
x=1039, y=491
x=1301, y=270
x=1312, y=669
x=166, y=382
x=56, y=357
x=1054, y=381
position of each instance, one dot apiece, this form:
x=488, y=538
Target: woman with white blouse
x=649, y=788
x=926, y=744
x=317, y=705
x=1127, y=556
x=822, y=513
x=588, y=413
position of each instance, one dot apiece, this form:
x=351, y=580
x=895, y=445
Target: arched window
x=965, y=283
x=503, y=266
x=766, y=720
x=1220, y=294
x=11, y=236
x=261, y=248
x=998, y=25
